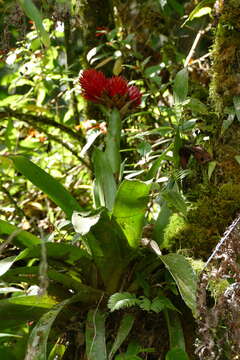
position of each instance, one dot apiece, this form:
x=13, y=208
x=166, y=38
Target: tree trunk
x=216, y=201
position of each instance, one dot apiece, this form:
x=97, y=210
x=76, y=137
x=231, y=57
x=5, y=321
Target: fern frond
x=144, y=303
x=122, y=300
x=162, y=302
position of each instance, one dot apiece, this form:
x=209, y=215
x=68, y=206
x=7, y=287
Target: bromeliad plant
x=110, y=268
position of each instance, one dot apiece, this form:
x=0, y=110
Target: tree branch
x=42, y=119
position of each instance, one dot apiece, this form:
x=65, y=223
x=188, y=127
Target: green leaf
x=10, y=289
x=6, y=353
x=160, y=303
x=236, y=102
x=2, y=335
x=177, y=354
x=211, y=168
x=200, y=12
x=175, y=330
x=175, y=200
x=237, y=158
x=65, y=252
x=33, y=13
x=228, y=122
x=202, y=8
x=180, y=86
x=130, y=208
x=163, y=3
x=19, y=237
x=37, y=343
x=83, y=224
x=57, y=352
x=105, y=184
x=17, y=310
x=196, y=106
x=144, y=148
x=112, y=150
x=122, y=300
x=29, y=275
x=110, y=250
x=177, y=144
x=152, y=71
x=124, y=329
x=90, y=140
x=156, y=164
x=47, y=184
x=13, y=100
x=184, y=276
x=161, y=223
x=95, y=336
x=6, y=263
x=188, y=125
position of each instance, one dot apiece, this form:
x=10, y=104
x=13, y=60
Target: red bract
x=117, y=85
x=134, y=95
x=113, y=92
x=94, y=84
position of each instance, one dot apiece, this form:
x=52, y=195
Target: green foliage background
x=102, y=214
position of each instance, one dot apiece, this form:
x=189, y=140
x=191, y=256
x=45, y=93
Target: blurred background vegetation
x=133, y=283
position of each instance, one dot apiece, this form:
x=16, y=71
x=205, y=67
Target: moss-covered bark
x=226, y=56
x=215, y=202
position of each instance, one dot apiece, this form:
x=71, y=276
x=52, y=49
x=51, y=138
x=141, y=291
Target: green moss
x=226, y=69
x=207, y=220
x=197, y=265
x=217, y=287
x=176, y=225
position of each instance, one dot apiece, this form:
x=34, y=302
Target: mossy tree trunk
x=216, y=202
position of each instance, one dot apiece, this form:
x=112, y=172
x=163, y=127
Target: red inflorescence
x=111, y=92
x=117, y=85
x=134, y=95
x=94, y=84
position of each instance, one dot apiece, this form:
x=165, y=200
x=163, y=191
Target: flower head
x=113, y=92
x=94, y=84
x=117, y=85
x=134, y=95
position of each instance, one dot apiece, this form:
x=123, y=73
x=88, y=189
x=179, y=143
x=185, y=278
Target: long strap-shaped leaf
x=37, y=345
x=19, y=237
x=33, y=13
x=47, y=184
x=95, y=335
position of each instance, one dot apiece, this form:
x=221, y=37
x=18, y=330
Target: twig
x=43, y=267
x=94, y=324
x=9, y=239
x=64, y=144
x=7, y=193
x=194, y=45
x=33, y=120
x=222, y=240
x=42, y=119
x=200, y=59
